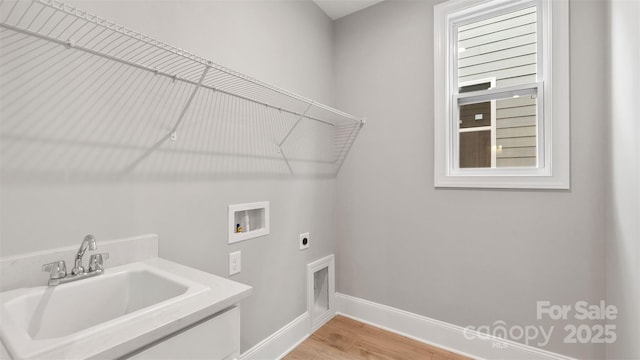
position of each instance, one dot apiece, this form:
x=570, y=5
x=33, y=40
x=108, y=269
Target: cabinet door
x=217, y=337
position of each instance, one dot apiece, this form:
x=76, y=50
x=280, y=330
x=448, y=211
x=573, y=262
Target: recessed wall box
x=321, y=290
x=247, y=221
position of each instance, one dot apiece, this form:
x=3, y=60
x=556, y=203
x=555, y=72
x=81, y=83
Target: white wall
x=439, y=253
x=623, y=176
x=286, y=43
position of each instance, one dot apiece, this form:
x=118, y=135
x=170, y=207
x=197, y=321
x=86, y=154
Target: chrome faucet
x=89, y=241
x=58, y=269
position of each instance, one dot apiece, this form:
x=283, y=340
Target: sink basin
x=53, y=312
x=132, y=300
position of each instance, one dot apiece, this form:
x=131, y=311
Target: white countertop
x=123, y=337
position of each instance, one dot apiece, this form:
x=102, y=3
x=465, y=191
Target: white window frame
x=553, y=148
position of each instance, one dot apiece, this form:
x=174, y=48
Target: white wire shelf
x=73, y=81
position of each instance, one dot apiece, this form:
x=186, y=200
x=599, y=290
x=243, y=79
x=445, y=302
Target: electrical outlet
x=304, y=241
x=235, y=264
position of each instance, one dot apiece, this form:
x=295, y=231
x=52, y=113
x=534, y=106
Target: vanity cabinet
x=216, y=337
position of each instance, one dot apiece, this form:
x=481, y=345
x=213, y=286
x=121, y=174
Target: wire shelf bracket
x=287, y=136
x=172, y=134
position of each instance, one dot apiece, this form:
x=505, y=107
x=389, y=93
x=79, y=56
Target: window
x=477, y=128
x=502, y=99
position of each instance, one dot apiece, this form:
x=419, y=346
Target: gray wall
x=285, y=43
x=400, y=241
x=623, y=176
x=439, y=253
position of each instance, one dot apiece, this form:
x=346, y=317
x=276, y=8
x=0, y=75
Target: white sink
x=111, y=314
x=56, y=311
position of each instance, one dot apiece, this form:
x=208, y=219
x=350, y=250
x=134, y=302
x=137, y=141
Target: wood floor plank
x=343, y=338
x=340, y=334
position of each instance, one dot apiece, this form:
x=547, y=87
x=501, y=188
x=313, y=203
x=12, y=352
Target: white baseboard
x=437, y=333
x=421, y=328
x=280, y=343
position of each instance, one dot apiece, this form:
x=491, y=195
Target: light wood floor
x=345, y=339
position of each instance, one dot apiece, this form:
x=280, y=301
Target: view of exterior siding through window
x=498, y=52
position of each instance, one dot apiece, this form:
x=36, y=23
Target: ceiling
x=339, y=8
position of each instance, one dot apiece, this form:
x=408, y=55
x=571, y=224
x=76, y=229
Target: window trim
x=554, y=172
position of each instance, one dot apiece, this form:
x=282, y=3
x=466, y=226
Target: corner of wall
x=622, y=192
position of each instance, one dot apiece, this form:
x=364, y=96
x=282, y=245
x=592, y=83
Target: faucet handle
x=96, y=261
x=56, y=269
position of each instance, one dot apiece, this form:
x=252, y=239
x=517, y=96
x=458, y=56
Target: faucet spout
x=58, y=270
x=89, y=242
